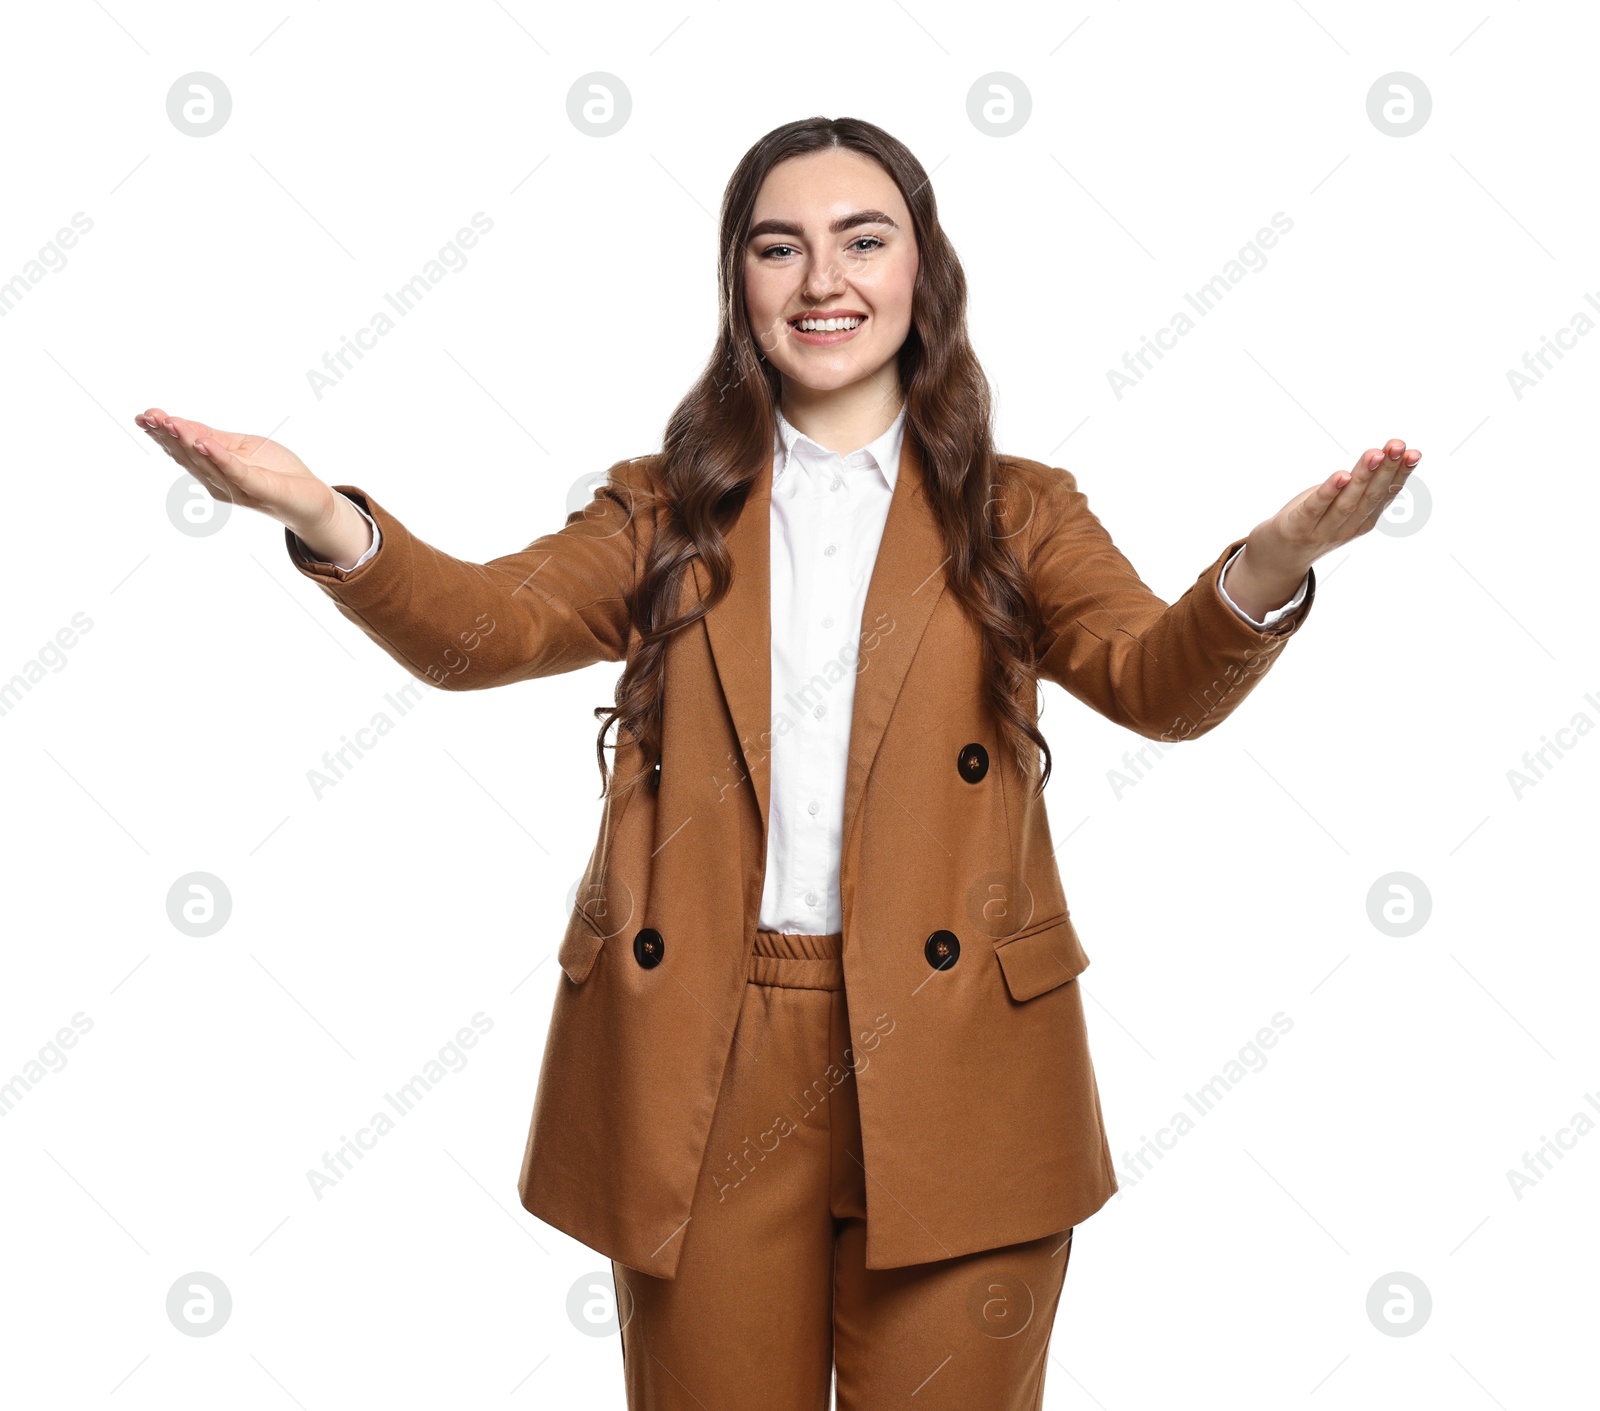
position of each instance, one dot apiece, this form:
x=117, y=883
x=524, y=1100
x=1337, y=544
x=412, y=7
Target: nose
x=822, y=281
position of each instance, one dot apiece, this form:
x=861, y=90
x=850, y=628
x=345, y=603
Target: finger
x=215, y=483
x=168, y=443
x=1367, y=459
x=235, y=441
x=1370, y=482
x=187, y=432
x=1373, y=457
x=1387, y=477
x=165, y=439
x=1307, y=510
x=237, y=475
x=1378, y=504
x=159, y=425
x=156, y=420
x=1319, y=497
x=1352, y=493
x=192, y=461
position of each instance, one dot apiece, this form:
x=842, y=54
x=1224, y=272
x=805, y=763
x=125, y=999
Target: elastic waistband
x=797, y=962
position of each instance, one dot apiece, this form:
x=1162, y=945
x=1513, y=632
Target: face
x=830, y=235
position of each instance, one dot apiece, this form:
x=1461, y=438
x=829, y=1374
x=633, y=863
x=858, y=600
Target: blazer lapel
x=740, y=631
x=907, y=580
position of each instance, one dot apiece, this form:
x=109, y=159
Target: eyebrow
x=849, y=222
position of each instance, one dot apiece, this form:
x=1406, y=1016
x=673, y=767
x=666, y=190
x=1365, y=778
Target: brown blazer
x=980, y=1115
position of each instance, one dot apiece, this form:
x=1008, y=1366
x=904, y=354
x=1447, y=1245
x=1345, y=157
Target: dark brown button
x=973, y=762
x=649, y=948
x=942, y=949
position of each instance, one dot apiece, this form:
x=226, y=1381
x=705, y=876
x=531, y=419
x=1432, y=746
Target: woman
x=817, y=1077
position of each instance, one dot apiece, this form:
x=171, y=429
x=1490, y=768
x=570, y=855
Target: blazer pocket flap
x=580, y=947
x=1041, y=957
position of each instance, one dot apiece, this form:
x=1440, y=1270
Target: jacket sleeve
x=1168, y=672
x=557, y=605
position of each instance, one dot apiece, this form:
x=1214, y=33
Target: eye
x=876, y=244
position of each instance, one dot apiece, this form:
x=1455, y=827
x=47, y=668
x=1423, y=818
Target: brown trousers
x=772, y=1292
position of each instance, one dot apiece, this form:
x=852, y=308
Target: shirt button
x=835, y=485
x=820, y=711
x=813, y=807
x=831, y=549
x=827, y=622
x=811, y=898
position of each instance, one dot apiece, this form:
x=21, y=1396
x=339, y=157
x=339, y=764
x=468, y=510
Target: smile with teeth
x=827, y=325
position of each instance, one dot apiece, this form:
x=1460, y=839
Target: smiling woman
x=828, y=529
x=797, y=301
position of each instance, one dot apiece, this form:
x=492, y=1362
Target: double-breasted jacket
x=980, y=1116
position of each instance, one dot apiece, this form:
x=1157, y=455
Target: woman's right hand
x=259, y=474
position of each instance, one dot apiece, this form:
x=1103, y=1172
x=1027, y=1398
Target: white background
x=1228, y=885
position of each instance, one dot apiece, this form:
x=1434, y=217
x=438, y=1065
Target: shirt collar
x=884, y=453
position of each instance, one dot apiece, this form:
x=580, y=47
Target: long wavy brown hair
x=721, y=433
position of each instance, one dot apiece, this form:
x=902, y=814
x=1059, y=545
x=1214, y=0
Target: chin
x=830, y=379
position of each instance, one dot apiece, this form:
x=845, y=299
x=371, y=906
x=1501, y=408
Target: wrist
x=1258, y=584
x=339, y=536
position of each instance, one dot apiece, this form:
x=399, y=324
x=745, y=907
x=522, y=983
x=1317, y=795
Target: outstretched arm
x=1175, y=671
x=554, y=606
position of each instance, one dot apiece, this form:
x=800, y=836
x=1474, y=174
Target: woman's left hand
x=1345, y=505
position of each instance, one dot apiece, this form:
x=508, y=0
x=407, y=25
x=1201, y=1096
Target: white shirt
x=827, y=519
x=828, y=513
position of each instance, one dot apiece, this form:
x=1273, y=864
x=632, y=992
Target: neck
x=844, y=419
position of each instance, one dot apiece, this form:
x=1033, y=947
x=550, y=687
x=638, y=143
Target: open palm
x=252, y=471
x=1345, y=505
